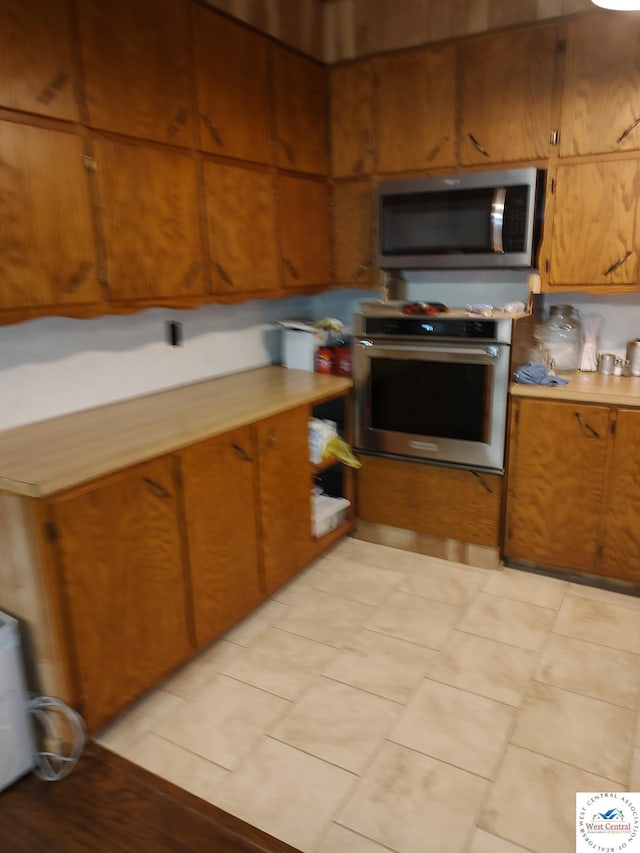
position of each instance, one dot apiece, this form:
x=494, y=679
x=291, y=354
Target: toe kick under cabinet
x=136, y=533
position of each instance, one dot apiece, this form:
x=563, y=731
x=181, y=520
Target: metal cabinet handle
x=437, y=148
x=288, y=150
x=362, y=269
x=158, y=488
x=77, y=277
x=242, y=453
x=482, y=482
x=358, y=166
x=270, y=440
x=224, y=275
x=587, y=426
x=49, y=92
x=628, y=130
x=177, y=123
x=614, y=266
x=477, y=145
x=213, y=131
x=292, y=269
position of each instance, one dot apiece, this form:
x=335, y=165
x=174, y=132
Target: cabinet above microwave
x=482, y=220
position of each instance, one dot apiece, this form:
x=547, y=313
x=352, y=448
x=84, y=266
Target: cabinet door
x=415, y=110
x=47, y=248
x=241, y=228
x=233, y=88
x=595, y=226
x=137, y=67
x=556, y=483
x=219, y=486
x=284, y=495
x=123, y=584
x=430, y=499
x=353, y=233
x=150, y=217
x=301, y=89
x=304, y=231
x=601, y=89
x=352, y=136
x=506, y=83
x=621, y=530
x=36, y=69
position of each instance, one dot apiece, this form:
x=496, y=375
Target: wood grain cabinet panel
x=353, y=241
x=595, y=227
x=137, y=68
x=241, y=228
x=506, y=87
x=47, y=246
x=123, y=584
x=415, y=110
x=284, y=495
x=37, y=74
x=219, y=487
x=234, y=95
x=150, y=216
x=601, y=87
x=301, y=91
x=352, y=114
x=444, y=502
x=621, y=527
x=557, y=459
x=305, y=231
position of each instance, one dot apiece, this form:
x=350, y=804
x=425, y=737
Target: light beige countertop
x=45, y=457
x=586, y=388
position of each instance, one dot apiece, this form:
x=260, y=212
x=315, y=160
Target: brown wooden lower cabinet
x=445, y=502
x=573, y=488
x=134, y=571
x=118, y=551
x=219, y=481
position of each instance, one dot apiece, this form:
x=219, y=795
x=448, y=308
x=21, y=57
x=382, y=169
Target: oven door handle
x=490, y=351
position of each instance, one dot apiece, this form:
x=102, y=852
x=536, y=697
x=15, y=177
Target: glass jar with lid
x=560, y=336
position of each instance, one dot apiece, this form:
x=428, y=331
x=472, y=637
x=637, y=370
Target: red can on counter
x=324, y=360
x=342, y=361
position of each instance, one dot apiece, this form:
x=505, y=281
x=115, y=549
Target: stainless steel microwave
x=480, y=220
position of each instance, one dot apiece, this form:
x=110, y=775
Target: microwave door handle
x=497, y=219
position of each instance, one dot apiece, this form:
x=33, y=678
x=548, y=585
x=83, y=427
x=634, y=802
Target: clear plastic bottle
x=560, y=335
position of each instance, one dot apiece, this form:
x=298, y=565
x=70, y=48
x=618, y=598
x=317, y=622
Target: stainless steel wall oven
x=432, y=388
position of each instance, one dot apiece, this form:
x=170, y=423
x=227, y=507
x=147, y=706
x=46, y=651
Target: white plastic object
x=16, y=734
x=327, y=513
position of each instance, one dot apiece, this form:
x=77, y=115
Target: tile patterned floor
x=389, y=701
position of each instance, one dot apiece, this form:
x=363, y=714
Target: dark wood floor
x=108, y=804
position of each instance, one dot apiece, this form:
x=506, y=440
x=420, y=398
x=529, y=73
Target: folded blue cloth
x=537, y=374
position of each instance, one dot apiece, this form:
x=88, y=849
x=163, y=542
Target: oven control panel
x=432, y=327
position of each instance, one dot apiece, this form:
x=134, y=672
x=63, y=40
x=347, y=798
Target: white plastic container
x=327, y=514
x=16, y=735
x=299, y=343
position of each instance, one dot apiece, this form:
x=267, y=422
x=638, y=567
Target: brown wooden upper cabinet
x=595, y=225
x=301, y=91
x=353, y=245
x=242, y=229
x=601, y=89
x=150, y=218
x=304, y=231
x=352, y=130
x=37, y=74
x=506, y=87
x=47, y=246
x=122, y=583
x=415, y=110
x=137, y=68
x=234, y=95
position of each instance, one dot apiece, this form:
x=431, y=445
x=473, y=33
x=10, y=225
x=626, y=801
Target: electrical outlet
x=174, y=333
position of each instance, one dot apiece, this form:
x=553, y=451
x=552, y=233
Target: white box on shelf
x=327, y=513
x=299, y=343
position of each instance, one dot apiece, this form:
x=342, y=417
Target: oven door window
x=440, y=399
